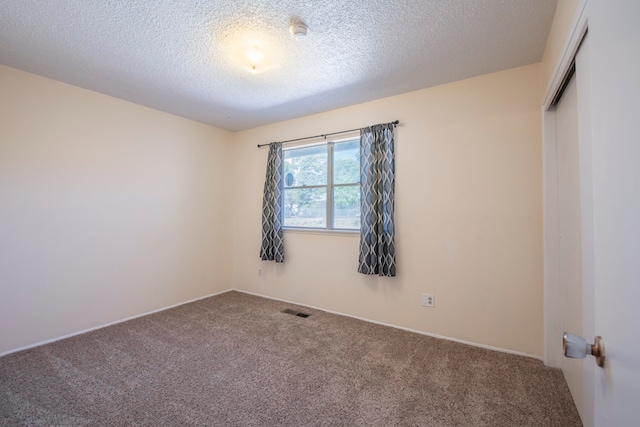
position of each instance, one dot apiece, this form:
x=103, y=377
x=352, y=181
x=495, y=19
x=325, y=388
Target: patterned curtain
x=272, y=235
x=377, y=181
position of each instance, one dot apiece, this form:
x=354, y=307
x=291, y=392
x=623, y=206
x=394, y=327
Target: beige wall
x=468, y=212
x=114, y=210
x=108, y=209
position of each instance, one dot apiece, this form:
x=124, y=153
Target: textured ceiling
x=183, y=56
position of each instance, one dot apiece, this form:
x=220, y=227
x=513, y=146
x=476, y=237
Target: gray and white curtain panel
x=377, y=193
x=272, y=248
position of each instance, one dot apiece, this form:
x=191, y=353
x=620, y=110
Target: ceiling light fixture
x=249, y=49
x=298, y=29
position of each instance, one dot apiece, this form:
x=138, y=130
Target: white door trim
x=587, y=238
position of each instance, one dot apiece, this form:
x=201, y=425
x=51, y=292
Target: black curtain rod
x=325, y=135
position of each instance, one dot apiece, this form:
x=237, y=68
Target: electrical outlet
x=259, y=272
x=428, y=300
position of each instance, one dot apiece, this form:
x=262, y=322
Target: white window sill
x=322, y=231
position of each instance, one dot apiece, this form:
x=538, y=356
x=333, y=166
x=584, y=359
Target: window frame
x=329, y=188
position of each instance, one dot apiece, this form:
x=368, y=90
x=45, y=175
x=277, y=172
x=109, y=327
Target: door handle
x=576, y=347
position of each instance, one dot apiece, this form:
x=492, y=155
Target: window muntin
x=322, y=186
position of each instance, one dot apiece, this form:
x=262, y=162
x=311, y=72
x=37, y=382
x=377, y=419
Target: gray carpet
x=237, y=360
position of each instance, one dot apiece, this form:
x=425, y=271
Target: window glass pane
x=305, y=207
x=346, y=162
x=346, y=207
x=305, y=166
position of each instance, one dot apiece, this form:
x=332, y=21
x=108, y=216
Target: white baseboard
x=488, y=347
x=38, y=344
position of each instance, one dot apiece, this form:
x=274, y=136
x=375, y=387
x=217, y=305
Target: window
x=322, y=186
